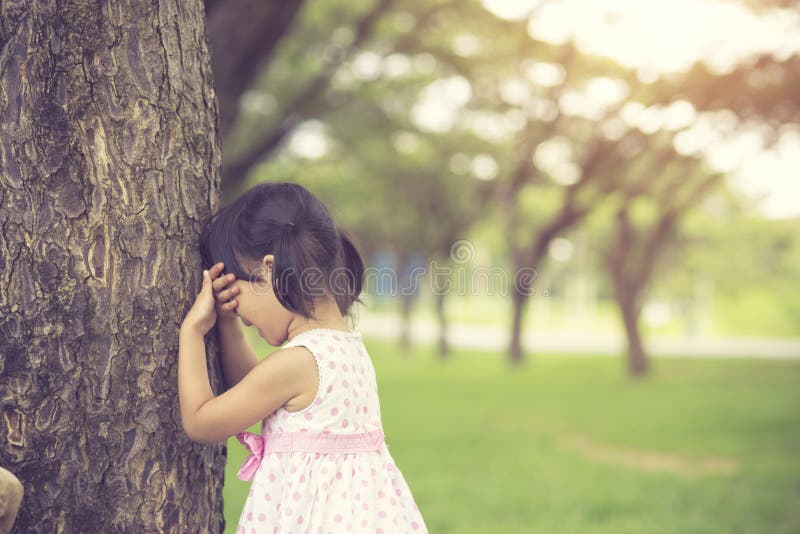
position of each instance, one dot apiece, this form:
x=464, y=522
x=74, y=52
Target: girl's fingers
x=229, y=305
x=214, y=271
x=223, y=281
x=226, y=295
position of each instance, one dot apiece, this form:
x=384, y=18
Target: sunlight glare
x=679, y=115
x=514, y=91
x=657, y=36
x=552, y=152
x=439, y=103
x=575, y=103
x=466, y=45
x=491, y=126
x=561, y=249
x=484, y=167
x=510, y=9
x=309, y=140
x=396, y=65
x=367, y=65
x=544, y=74
x=772, y=176
x=606, y=92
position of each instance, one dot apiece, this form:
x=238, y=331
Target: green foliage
x=398, y=186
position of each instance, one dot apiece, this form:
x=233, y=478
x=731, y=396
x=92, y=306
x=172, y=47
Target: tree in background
x=359, y=73
x=257, y=143
x=640, y=243
x=243, y=36
x=110, y=161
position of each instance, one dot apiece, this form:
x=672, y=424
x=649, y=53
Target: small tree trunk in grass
x=518, y=301
x=109, y=159
x=441, y=316
x=637, y=358
x=406, y=302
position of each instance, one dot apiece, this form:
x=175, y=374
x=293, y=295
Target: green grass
x=569, y=445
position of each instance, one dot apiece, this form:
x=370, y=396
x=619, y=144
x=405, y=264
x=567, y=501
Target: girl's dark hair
x=312, y=256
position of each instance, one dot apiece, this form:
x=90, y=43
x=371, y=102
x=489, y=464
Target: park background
x=580, y=221
x=642, y=160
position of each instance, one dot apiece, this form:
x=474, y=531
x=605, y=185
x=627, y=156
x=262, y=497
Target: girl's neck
x=328, y=317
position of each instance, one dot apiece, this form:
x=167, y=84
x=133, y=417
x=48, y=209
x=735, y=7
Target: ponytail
x=287, y=267
x=353, y=267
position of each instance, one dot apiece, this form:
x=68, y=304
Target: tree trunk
x=520, y=291
x=637, y=358
x=518, y=301
x=404, y=289
x=110, y=163
x=441, y=316
x=406, y=302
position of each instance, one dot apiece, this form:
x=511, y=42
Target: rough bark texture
x=110, y=163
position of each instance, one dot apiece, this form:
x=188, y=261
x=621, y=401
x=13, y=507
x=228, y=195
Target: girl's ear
x=267, y=261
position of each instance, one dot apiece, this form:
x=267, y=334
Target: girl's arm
x=268, y=386
x=238, y=357
x=194, y=387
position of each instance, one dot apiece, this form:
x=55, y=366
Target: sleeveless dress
x=326, y=469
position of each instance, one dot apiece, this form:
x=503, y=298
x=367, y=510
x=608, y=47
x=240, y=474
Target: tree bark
x=110, y=163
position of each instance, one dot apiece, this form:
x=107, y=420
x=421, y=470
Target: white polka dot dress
x=326, y=469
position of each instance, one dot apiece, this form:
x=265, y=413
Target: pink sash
x=258, y=445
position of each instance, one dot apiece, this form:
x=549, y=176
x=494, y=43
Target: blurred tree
x=400, y=167
x=524, y=98
x=237, y=163
x=109, y=163
x=532, y=225
x=243, y=35
x=660, y=197
x=760, y=88
x=398, y=164
x=738, y=90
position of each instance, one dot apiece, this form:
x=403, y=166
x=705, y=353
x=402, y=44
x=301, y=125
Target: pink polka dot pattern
x=328, y=492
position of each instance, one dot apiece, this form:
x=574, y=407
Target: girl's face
x=257, y=305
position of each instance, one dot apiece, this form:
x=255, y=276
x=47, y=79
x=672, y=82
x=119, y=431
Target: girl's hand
x=224, y=293
x=202, y=315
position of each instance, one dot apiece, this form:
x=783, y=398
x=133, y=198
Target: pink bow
x=255, y=444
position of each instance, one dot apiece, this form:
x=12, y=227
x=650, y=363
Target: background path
x=489, y=337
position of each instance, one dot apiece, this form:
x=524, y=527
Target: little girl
x=320, y=463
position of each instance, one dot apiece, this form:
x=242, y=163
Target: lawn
x=569, y=445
